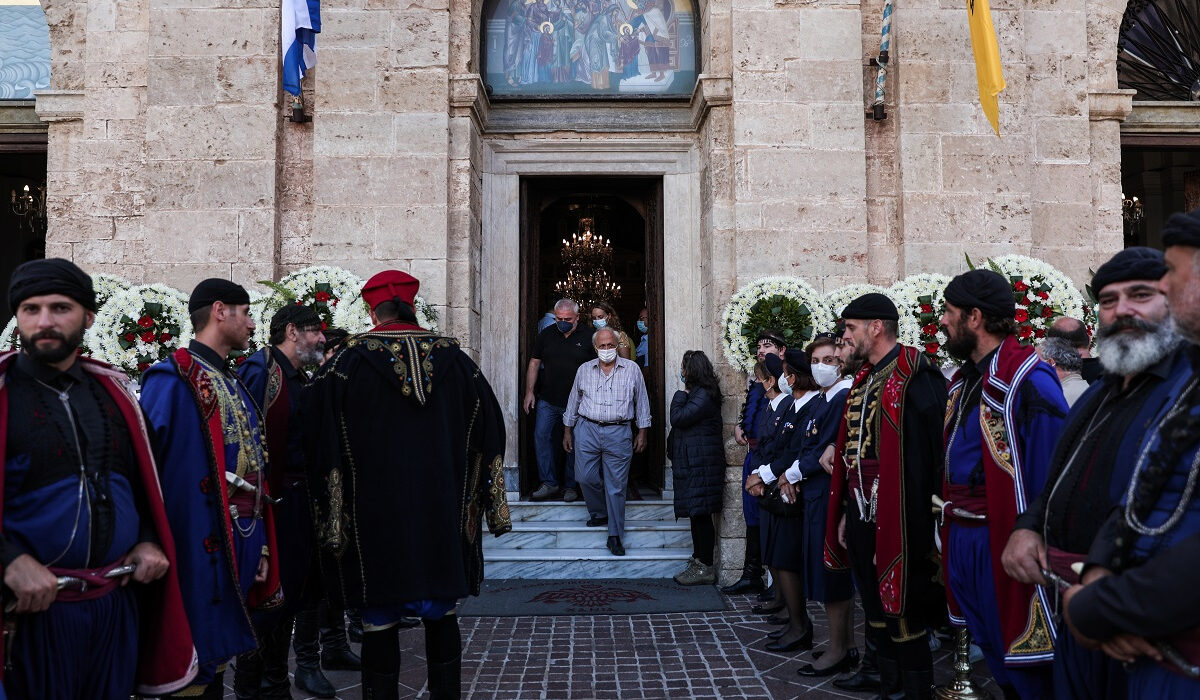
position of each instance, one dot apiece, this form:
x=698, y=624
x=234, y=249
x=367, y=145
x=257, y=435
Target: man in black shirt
x=558, y=352
x=1097, y=450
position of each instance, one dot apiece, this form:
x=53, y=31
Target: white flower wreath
x=353, y=316
x=920, y=299
x=321, y=287
x=1042, y=293
x=741, y=318
x=838, y=299
x=139, y=327
x=10, y=340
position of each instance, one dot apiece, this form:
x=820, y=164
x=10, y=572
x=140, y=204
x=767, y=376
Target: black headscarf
x=51, y=276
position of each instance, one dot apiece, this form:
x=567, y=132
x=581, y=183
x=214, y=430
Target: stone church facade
x=170, y=157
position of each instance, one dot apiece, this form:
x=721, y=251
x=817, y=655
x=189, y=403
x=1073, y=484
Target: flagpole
x=885, y=41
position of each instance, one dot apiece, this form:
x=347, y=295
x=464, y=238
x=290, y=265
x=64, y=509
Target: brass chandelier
x=587, y=258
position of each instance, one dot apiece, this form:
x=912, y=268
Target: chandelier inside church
x=29, y=205
x=587, y=258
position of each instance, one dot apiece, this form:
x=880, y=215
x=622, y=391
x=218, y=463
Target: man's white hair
x=567, y=304
x=596, y=336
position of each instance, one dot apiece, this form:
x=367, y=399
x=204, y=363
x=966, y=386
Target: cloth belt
x=971, y=500
x=95, y=583
x=1060, y=563
x=606, y=424
x=244, y=500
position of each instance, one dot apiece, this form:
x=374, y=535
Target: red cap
x=389, y=285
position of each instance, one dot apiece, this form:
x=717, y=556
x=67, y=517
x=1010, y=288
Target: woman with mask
x=786, y=535
x=605, y=316
x=773, y=432
x=807, y=480
x=697, y=461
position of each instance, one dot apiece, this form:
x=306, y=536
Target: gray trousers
x=602, y=455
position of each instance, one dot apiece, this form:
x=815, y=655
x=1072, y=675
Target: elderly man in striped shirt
x=608, y=395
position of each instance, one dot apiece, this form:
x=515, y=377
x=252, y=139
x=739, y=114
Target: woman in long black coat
x=697, y=461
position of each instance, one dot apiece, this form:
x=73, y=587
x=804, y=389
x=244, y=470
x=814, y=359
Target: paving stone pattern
x=677, y=655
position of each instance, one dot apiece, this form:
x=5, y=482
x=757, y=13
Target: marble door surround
x=505, y=162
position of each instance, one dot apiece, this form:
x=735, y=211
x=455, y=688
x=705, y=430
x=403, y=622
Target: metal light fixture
x=587, y=257
x=29, y=205
x=1132, y=214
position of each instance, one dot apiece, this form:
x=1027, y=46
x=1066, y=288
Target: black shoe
x=597, y=522
x=744, y=585
x=340, y=659
x=768, y=594
x=766, y=608
x=804, y=642
x=848, y=661
x=615, y=546
x=354, y=630
x=776, y=634
x=312, y=681
x=776, y=620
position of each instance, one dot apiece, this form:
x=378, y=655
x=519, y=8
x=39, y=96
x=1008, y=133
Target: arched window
x=24, y=50
x=537, y=49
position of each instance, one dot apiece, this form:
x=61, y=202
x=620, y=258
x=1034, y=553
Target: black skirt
x=783, y=541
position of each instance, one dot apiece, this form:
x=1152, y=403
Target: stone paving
x=678, y=655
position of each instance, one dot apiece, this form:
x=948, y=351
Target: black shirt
x=561, y=356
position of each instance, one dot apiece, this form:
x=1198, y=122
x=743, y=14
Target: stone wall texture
x=170, y=157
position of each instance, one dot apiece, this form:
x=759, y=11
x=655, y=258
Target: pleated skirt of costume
x=820, y=584
x=783, y=541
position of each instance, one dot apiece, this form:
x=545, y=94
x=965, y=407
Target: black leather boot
x=866, y=680
x=274, y=652
x=889, y=677
x=247, y=676
x=335, y=650
x=215, y=690
x=752, y=570
x=308, y=658
x=380, y=686
x=354, y=629
x=917, y=685
x=445, y=679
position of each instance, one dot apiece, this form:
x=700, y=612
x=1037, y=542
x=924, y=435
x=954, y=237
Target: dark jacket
x=697, y=454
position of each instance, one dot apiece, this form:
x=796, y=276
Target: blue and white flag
x=301, y=23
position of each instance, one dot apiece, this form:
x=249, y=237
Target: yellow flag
x=987, y=59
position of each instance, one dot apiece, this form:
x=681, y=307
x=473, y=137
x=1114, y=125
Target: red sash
x=892, y=553
x=95, y=583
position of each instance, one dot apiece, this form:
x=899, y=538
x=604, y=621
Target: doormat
x=618, y=596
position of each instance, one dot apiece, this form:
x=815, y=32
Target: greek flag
x=301, y=23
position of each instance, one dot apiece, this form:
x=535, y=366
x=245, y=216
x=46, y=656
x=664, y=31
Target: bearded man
x=1137, y=601
x=1142, y=359
x=210, y=446
x=884, y=472
x=81, y=505
x=1005, y=413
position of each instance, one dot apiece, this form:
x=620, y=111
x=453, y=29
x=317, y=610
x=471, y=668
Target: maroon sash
x=95, y=583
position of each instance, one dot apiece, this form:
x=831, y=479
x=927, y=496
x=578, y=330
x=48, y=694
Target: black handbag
x=772, y=502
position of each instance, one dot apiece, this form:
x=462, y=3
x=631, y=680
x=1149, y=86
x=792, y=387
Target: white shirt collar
x=841, y=384
x=776, y=401
x=803, y=400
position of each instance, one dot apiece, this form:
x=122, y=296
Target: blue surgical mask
x=599, y=323
x=682, y=379
x=564, y=326
x=642, y=326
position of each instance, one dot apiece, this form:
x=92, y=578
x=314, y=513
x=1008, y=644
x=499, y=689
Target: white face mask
x=607, y=356
x=826, y=375
x=784, y=387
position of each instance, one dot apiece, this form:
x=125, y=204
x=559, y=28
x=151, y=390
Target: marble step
x=562, y=534
x=656, y=562
x=521, y=511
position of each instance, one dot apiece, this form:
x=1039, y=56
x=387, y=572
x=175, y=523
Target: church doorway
x=626, y=271
x=22, y=207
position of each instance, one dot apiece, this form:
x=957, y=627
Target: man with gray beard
x=1142, y=359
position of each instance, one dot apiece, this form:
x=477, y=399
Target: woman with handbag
x=784, y=534
x=697, y=461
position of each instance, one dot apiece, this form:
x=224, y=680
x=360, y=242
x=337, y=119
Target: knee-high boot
x=247, y=675
x=752, y=569
x=381, y=665
x=309, y=677
x=443, y=653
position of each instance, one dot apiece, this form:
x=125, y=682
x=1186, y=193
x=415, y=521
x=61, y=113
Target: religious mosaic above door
x=590, y=48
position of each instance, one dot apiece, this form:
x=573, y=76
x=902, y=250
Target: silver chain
x=1130, y=517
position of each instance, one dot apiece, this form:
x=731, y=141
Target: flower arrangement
x=787, y=304
x=920, y=300
x=1042, y=293
x=840, y=298
x=258, y=302
x=11, y=339
x=321, y=287
x=353, y=316
x=140, y=326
